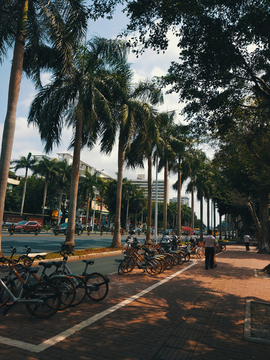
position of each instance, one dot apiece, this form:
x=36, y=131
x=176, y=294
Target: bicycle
x=93, y=285
x=42, y=300
x=62, y=283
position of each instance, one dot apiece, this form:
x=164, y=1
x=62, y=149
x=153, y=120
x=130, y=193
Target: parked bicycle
x=42, y=300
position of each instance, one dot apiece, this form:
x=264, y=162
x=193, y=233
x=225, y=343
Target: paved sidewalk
x=185, y=313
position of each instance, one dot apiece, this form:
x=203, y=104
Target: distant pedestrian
x=210, y=243
x=247, y=240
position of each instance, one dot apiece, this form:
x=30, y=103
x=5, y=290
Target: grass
x=83, y=252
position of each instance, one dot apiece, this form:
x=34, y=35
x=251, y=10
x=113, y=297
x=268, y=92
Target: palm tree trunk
x=44, y=196
x=100, y=215
x=116, y=241
x=179, y=202
x=75, y=172
x=165, y=197
x=201, y=215
x=24, y=191
x=149, y=203
x=87, y=210
x=127, y=222
x=10, y=120
x=192, y=208
x=59, y=206
x=208, y=215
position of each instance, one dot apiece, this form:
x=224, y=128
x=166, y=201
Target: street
x=48, y=242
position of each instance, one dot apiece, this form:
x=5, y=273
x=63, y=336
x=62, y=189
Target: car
x=25, y=226
x=62, y=229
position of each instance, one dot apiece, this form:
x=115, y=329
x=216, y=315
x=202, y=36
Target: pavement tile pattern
x=196, y=315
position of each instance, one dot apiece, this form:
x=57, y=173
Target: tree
x=38, y=32
x=26, y=163
x=128, y=113
x=101, y=186
x=63, y=182
x=82, y=100
x=87, y=184
x=145, y=140
x=48, y=169
x=166, y=156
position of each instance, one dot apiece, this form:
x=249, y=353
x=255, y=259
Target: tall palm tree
x=102, y=187
x=39, y=31
x=63, y=180
x=129, y=111
x=166, y=156
x=48, y=169
x=145, y=140
x=88, y=183
x=26, y=163
x=180, y=143
x=85, y=98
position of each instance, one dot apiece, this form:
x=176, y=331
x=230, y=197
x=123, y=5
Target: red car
x=27, y=226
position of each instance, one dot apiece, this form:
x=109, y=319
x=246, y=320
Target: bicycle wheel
x=153, y=267
x=169, y=262
x=97, y=286
x=66, y=289
x=187, y=256
x=126, y=265
x=5, y=298
x=81, y=290
x=50, y=297
x=200, y=252
x=181, y=258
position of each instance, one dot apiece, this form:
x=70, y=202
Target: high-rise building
x=142, y=183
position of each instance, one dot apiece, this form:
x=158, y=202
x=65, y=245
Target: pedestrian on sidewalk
x=210, y=243
x=247, y=240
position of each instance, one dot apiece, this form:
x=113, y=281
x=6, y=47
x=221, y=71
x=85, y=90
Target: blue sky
x=27, y=138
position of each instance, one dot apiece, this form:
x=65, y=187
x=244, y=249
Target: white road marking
x=64, y=334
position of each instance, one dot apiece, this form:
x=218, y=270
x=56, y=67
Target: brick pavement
x=194, y=315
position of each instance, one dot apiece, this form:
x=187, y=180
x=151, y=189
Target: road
x=45, y=242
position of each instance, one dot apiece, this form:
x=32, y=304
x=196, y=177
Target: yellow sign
x=55, y=214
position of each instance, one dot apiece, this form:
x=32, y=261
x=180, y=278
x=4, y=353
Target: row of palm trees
x=92, y=92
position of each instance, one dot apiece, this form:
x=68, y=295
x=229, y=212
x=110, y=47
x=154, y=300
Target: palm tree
x=102, y=187
x=87, y=185
x=166, y=156
x=179, y=143
x=85, y=97
x=26, y=163
x=128, y=113
x=39, y=31
x=145, y=140
x=63, y=180
x=48, y=169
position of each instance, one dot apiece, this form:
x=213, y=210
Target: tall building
x=142, y=183
x=184, y=200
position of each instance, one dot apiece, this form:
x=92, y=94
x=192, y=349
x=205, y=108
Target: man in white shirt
x=247, y=240
x=210, y=243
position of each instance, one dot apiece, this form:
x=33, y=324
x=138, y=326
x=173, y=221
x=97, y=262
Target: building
x=83, y=166
x=142, y=183
x=184, y=200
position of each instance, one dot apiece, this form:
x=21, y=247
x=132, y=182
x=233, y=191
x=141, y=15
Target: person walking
x=210, y=243
x=247, y=240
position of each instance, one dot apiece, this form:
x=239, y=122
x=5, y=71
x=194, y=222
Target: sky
x=149, y=64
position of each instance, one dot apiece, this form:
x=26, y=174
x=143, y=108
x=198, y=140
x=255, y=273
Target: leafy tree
x=48, y=169
x=63, y=182
x=101, y=186
x=129, y=111
x=81, y=99
x=86, y=189
x=39, y=31
x=26, y=163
